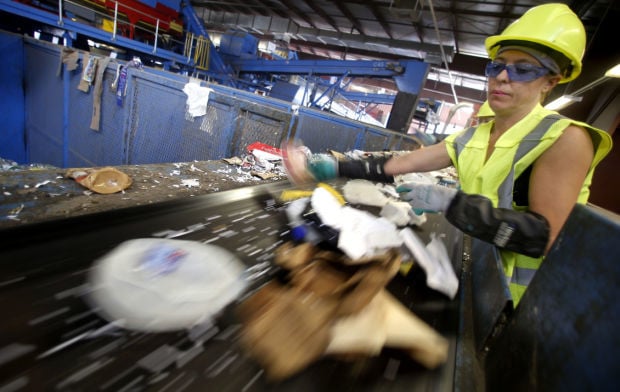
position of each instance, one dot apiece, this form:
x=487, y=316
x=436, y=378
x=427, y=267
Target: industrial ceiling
x=446, y=33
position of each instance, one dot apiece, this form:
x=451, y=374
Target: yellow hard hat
x=485, y=110
x=554, y=26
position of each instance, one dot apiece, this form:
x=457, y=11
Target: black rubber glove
x=367, y=169
x=521, y=232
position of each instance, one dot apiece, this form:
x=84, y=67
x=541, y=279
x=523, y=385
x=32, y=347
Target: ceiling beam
x=326, y=37
x=241, y=7
x=503, y=22
x=455, y=33
x=330, y=21
x=216, y=6
x=379, y=16
x=377, y=43
x=299, y=13
x=258, y=7
x=345, y=11
x=273, y=8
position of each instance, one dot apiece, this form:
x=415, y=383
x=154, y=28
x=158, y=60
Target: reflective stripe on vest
x=461, y=140
x=522, y=276
x=531, y=140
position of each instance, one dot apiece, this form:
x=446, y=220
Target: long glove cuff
x=367, y=169
x=522, y=232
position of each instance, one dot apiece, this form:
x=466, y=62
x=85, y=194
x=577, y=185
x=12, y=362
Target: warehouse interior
x=182, y=101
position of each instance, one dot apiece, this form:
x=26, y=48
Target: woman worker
x=520, y=173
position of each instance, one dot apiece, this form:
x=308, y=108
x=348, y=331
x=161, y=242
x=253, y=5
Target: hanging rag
x=197, y=99
x=96, y=118
x=69, y=57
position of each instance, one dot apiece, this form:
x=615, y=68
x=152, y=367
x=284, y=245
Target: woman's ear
x=550, y=83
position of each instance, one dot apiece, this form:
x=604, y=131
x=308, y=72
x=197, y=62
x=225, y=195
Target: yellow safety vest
x=515, y=151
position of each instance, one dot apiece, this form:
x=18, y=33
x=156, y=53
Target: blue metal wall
x=43, y=91
x=12, y=99
x=152, y=124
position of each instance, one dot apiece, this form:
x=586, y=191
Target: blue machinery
x=49, y=123
x=235, y=63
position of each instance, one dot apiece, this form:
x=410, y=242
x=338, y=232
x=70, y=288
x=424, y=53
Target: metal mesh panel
x=320, y=132
x=88, y=147
x=259, y=124
x=374, y=141
x=208, y=137
x=157, y=122
x=43, y=94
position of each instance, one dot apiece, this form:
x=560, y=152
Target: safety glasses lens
x=521, y=72
x=493, y=69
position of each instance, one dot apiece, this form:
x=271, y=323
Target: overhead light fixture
x=568, y=99
x=562, y=102
x=613, y=72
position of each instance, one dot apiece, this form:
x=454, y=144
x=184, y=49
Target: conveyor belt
x=52, y=340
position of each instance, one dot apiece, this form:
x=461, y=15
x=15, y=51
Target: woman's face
x=507, y=97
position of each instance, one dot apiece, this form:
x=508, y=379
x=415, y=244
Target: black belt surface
x=51, y=339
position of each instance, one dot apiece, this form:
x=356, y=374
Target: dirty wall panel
x=374, y=141
x=258, y=123
x=43, y=92
x=377, y=139
x=563, y=336
x=209, y=137
x=404, y=143
x=79, y=122
x=12, y=137
x=88, y=147
x=113, y=121
x=321, y=131
x=157, y=120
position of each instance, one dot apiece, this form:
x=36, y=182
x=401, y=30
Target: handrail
x=116, y=19
x=49, y=16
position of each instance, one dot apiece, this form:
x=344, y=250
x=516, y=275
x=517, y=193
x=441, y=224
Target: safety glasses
x=521, y=72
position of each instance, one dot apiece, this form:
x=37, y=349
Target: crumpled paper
x=105, y=180
x=382, y=195
x=361, y=233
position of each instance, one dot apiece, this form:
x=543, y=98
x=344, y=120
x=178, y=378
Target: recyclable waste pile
x=332, y=299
